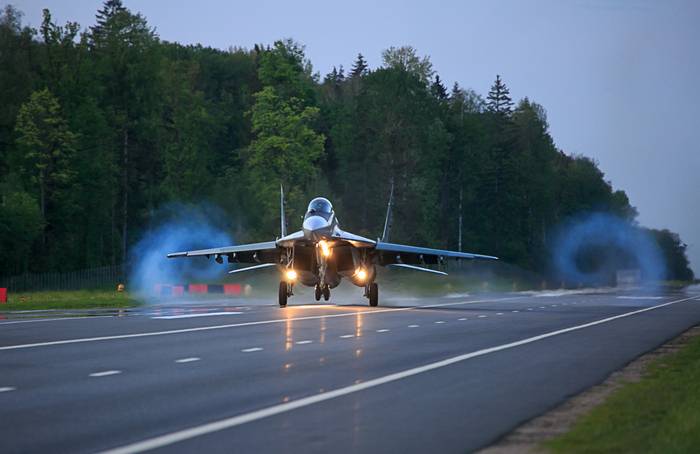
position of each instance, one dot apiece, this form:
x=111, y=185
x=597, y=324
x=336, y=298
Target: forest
x=104, y=127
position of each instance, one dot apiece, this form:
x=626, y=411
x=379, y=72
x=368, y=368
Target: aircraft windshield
x=320, y=207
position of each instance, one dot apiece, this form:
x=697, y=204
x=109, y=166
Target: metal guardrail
x=92, y=278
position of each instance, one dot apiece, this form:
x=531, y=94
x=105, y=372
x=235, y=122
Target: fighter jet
x=321, y=254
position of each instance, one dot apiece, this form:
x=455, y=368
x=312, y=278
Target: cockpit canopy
x=319, y=206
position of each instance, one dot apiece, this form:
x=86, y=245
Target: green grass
x=79, y=299
x=659, y=414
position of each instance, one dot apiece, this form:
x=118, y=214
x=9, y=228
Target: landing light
x=291, y=275
x=361, y=274
x=325, y=248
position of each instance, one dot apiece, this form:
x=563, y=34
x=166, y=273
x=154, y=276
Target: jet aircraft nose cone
x=313, y=227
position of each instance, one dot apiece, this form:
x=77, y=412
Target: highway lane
x=112, y=391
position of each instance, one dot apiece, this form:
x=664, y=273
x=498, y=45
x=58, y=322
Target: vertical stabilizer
x=283, y=220
x=387, y=222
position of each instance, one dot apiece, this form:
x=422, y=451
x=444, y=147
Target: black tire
x=283, y=294
x=373, y=294
x=326, y=293
x=317, y=293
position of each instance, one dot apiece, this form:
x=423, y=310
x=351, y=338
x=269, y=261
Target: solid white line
x=304, y=342
x=203, y=314
x=5, y=389
x=347, y=336
x=640, y=297
x=187, y=360
x=216, y=426
x=105, y=373
x=252, y=349
x=383, y=330
x=13, y=322
x=235, y=325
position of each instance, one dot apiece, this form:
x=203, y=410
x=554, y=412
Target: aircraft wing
x=391, y=253
x=266, y=252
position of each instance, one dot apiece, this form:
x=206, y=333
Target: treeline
x=100, y=128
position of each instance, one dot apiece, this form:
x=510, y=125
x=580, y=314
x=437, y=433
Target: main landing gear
x=324, y=291
x=372, y=293
x=284, y=292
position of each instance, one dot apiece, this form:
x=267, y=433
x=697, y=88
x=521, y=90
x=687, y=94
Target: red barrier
x=3, y=295
x=198, y=288
x=232, y=289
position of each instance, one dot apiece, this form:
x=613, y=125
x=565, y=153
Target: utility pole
x=459, y=240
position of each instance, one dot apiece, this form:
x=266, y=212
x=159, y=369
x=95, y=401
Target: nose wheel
x=326, y=293
x=372, y=293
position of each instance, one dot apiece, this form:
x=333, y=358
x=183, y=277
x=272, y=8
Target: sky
x=619, y=79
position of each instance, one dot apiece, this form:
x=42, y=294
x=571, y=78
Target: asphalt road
x=446, y=374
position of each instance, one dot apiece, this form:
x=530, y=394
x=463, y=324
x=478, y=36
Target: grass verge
x=79, y=299
x=659, y=414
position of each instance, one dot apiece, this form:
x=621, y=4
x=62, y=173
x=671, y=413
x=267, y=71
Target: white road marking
x=462, y=319
x=500, y=313
x=304, y=342
x=529, y=308
x=252, y=349
x=201, y=314
x=105, y=373
x=347, y=336
x=482, y=316
x=542, y=307
x=6, y=389
x=554, y=305
x=383, y=330
x=88, y=317
x=515, y=312
x=413, y=326
x=440, y=321
x=187, y=360
x=236, y=325
x=227, y=423
x=640, y=297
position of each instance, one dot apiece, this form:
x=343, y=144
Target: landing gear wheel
x=317, y=293
x=283, y=294
x=373, y=294
x=326, y=293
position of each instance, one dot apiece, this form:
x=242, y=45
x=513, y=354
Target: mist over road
x=451, y=374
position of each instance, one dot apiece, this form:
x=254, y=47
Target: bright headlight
x=361, y=274
x=291, y=275
x=325, y=248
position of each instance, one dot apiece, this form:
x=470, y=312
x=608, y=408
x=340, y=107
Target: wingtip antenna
x=387, y=222
x=283, y=221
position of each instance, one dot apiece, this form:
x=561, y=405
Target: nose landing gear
x=324, y=291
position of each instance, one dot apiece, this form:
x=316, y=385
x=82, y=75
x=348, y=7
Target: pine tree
x=110, y=8
x=438, y=89
x=359, y=68
x=498, y=100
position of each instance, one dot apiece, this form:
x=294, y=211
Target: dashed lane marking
x=382, y=330
x=500, y=313
x=252, y=349
x=347, y=336
x=482, y=316
x=253, y=323
x=105, y=373
x=440, y=322
x=203, y=314
x=413, y=326
x=187, y=360
x=304, y=342
x=462, y=319
x=227, y=423
x=515, y=312
x=5, y=389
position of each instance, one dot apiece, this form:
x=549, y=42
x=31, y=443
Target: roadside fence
x=92, y=278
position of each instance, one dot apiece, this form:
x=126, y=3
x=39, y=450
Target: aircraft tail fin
x=387, y=222
x=283, y=220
